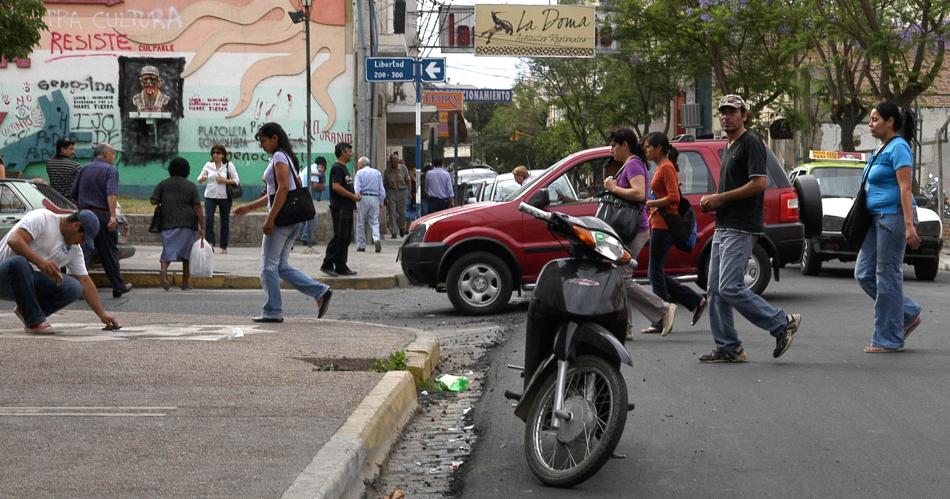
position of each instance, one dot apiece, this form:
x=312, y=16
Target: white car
x=839, y=181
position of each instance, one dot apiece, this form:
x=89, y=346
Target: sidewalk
x=180, y=405
x=240, y=268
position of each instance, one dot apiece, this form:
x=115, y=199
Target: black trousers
x=439, y=204
x=107, y=247
x=339, y=247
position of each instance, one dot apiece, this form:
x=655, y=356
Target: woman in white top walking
x=219, y=173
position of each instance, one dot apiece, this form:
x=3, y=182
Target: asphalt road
x=825, y=420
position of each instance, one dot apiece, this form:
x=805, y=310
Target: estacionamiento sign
x=535, y=30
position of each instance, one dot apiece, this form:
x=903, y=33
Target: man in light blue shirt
x=369, y=185
x=439, y=188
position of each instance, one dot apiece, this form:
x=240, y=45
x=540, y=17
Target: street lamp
x=304, y=17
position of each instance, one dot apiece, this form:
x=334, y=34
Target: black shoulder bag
x=681, y=224
x=858, y=221
x=235, y=191
x=622, y=215
x=298, y=207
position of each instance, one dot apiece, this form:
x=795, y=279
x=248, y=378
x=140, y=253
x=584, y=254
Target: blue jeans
x=274, y=266
x=307, y=228
x=727, y=291
x=224, y=207
x=37, y=295
x=878, y=272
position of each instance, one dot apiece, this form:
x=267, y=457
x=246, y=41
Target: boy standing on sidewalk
x=739, y=222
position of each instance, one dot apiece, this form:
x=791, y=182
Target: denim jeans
x=275, y=250
x=878, y=272
x=663, y=285
x=308, y=229
x=224, y=207
x=727, y=291
x=37, y=295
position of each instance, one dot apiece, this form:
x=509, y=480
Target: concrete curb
x=362, y=444
x=357, y=450
x=141, y=279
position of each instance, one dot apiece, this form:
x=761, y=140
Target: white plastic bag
x=201, y=260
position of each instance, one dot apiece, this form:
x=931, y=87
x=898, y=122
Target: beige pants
x=639, y=297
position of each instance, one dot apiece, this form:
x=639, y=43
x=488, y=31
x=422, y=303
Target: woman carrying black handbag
x=890, y=203
x=631, y=185
x=284, y=216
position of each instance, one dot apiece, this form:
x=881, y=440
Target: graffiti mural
x=159, y=78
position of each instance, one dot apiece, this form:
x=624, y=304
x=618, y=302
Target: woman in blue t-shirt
x=891, y=204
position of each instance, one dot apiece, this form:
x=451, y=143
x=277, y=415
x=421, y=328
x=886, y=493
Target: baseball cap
x=148, y=70
x=90, y=226
x=732, y=100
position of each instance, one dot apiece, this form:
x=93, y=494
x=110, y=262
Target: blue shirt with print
x=883, y=193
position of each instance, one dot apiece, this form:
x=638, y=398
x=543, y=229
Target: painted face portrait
x=150, y=99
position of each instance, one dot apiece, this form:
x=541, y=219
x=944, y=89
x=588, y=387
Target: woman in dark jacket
x=181, y=222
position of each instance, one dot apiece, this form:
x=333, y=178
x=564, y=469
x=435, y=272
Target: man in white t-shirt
x=31, y=255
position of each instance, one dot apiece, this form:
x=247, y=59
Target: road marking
x=84, y=331
x=85, y=411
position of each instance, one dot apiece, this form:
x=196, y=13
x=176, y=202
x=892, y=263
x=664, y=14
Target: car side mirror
x=540, y=199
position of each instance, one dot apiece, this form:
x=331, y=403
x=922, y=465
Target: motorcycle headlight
x=604, y=245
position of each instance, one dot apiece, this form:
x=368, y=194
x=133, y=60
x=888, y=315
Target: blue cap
x=90, y=226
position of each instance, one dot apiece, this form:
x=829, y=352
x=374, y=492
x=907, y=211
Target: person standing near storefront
x=62, y=168
x=396, y=181
x=342, y=204
x=219, y=173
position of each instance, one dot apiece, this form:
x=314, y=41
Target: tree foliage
x=20, y=24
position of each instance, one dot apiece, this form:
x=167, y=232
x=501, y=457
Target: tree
x=20, y=24
x=518, y=134
x=752, y=47
x=872, y=50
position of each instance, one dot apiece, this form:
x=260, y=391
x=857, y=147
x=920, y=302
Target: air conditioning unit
x=691, y=116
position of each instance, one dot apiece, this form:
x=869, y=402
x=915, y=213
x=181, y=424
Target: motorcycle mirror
x=540, y=199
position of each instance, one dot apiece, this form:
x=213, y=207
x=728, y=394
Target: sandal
x=650, y=330
x=876, y=349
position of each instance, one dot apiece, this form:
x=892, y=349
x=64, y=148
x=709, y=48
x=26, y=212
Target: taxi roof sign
x=837, y=155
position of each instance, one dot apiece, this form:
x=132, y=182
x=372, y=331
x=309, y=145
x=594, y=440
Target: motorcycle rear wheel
x=596, y=395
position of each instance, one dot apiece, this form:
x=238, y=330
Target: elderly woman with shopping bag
x=178, y=219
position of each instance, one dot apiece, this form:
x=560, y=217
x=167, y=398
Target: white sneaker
x=668, y=318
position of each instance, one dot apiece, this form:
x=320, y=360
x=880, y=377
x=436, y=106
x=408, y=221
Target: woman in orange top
x=665, y=187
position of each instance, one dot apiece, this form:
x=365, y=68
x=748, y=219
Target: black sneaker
x=722, y=357
x=329, y=272
x=785, y=338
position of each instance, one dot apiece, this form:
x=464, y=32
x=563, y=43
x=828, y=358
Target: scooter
x=574, y=402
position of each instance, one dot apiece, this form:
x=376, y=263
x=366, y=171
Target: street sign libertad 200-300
x=390, y=69
x=380, y=69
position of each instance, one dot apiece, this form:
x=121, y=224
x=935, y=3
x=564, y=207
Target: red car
x=480, y=253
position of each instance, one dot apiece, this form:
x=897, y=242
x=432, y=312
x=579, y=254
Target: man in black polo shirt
x=739, y=222
x=342, y=204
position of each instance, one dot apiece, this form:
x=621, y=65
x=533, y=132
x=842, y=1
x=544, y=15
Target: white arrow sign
x=432, y=70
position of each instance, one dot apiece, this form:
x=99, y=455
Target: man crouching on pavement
x=31, y=255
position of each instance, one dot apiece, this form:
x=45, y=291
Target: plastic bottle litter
x=453, y=383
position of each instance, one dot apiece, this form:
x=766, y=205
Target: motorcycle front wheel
x=596, y=396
